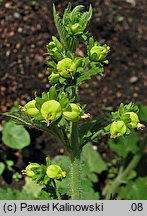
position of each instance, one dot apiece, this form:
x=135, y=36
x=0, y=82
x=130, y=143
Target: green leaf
x=131, y=107
x=93, y=158
x=88, y=191
x=134, y=190
x=142, y=112
x=86, y=16
x=132, y=175
x=93, y=177
x=87, y=75
x=23, y=119
x=76, y=13
x=52, y=93
x=40, y=101
x=63, y=100
x=66, y=15
x=15, y=136
x=90, y=131
x=67, y=41
x=58, y=44
x=43, y=195
x=10, y=163
x=31, y=186
x=2, y=168
x=12, y=194
x=30, y=191
x=59, y=25
x=20, y=118
x=45, y=96
x=123, y=145
x=88, y=178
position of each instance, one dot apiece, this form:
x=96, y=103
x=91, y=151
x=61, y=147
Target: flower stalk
x=76, y=191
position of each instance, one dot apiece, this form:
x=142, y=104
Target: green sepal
x=54, y=78
x=53, y=93
x=48, y=161
x=52, y=64
x=58, y=44
x=39, y=102
x=63, y=99
x=90, y=130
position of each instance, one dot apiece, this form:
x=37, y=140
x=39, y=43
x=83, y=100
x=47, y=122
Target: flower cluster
x=44, y=173
x=66, y=68
x=124, y=120
x=51, y=111
x=97, y=53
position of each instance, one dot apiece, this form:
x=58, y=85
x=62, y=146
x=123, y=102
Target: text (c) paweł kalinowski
x=61, y=207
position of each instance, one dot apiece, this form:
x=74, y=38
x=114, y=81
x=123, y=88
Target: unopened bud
x=99, y=53
x=31, y=109
x=53, y=51
x=51, y=47
x=75, y=28
x=134, y=123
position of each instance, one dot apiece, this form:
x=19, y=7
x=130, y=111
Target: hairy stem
x=76, y=179
x=75, y=164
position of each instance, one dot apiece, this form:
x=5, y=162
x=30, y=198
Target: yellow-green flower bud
x=66, y=68
x=55, y=172
x=53, y=51
x=30, y=108
x=134, y=121
x=117, y=129
x=99, y=53
x=52, y=47
x=73, y=113
x=28, y=171
x=75, y=28
x=51, y=111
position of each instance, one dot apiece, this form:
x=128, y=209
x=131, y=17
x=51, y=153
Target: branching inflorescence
x=58, y=111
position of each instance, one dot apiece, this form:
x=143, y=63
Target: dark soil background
x=26, y=29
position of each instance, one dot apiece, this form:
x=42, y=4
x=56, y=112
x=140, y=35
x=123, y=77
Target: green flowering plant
x=59, y=112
